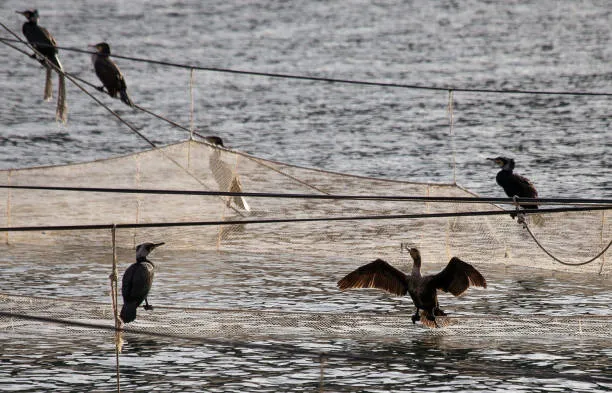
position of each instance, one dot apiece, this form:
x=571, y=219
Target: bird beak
x=21, y=12
x=157, y=245
x=491, y=159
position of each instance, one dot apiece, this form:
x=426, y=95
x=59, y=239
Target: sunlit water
x=560, y=142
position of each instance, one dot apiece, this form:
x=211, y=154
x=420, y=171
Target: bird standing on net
x=109, y=74
x=137, y=281
x=512, y=183
x=44, y=43
x=225, y=176
x=455, y=278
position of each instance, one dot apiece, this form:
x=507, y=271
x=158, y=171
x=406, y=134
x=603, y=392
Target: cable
x=521, y=220
x=396, y=198
x=72, y=79
x=336, y=80
x=142, y=136
x=290, y=220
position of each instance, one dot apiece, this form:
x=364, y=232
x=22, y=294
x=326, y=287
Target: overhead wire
x=338, y=80
x=296, y=220
x=73, y=79
x=364, y=197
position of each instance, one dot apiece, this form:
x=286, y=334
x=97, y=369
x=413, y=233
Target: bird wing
x=109, y=75
x=377, y=274
x=457, y=277
x=526, y=187
x=137, y=281
x=48, y=36
x=41, y=40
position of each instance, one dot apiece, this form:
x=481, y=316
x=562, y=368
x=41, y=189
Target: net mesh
x=236, y=324
x=338, y=246
x=191, y=165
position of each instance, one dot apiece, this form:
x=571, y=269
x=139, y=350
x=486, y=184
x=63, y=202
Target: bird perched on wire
x=137, y=281
x=224, y=174
x=44, y=43
x=512, y=183
x=109, y=74
x=455, y=278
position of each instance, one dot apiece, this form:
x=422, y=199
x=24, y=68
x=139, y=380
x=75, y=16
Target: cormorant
x=43, y=42
x=109, y=73
x=512, y=183
x=455, y=278
x=224, y=175
x=137, y=281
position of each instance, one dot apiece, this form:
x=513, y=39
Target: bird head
x=102, y=48
x=503, y=162
x=414, y=253
x=215, y=140
x=142, y=250
x=31, y=15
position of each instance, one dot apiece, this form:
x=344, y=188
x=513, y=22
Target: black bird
x=137, y=281
x=225, y=176
x=43, y=42
x=109, y=73
x=512, y=183
x=455, y=278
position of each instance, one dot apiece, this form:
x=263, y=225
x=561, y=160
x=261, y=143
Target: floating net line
x=244, y=324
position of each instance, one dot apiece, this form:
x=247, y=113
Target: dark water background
x=560, y=142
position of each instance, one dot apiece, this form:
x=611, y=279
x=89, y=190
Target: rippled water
x=560, y=143
x=72, y=359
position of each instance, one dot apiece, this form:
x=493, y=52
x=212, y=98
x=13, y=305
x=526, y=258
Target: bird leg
x=416, y=317
x=147, y=306
x=432, y=317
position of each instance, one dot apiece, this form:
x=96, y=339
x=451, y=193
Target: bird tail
x=128, y=312
x=537, y=219
x=125, y=97
x=428, y=320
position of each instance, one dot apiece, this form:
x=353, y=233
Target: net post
x=451, y=118
x=603, y=255
x=138, y=197
x=8, y=205
x=321, y=372
x=114, y=295
x=192, y=112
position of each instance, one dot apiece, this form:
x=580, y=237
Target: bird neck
x=142, y=260
x=416, y=266
x=509, y=166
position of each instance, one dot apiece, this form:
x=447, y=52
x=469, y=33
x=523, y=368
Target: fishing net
x=313, y=235
x=362, y=228
x=234, y=324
